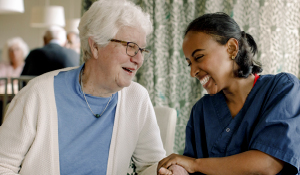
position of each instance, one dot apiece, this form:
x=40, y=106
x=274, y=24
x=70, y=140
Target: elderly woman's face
x=15, y=54
x=115, y=65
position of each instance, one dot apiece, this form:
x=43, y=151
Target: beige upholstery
x=166, y=120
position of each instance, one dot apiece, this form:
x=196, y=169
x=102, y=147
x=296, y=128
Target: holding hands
x=173, y=170
x=176, y=164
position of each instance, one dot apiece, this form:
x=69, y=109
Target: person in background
x=13, y=55
x=73, y=41
x=247, y=123
x=52, y=56
x=91, y=119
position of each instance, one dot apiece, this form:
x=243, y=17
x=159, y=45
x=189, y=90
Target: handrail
x=21, y=80
x=6, y=97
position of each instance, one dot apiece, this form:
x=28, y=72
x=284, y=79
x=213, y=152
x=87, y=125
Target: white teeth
x=127, y=69
x=204, y=80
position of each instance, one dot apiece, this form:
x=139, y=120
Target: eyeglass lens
x=133, y=49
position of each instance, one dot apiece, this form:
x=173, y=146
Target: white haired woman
x=92, y=119
x=13, y=55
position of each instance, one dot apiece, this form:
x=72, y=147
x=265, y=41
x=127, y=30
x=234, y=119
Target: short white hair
x=9, y=43
x=104, y=19
x=56, y=32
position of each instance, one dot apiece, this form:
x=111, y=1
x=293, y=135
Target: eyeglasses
x=132, y=48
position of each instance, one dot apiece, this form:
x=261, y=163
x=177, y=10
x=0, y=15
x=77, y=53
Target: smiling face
x=113, y=66
x=209, y=61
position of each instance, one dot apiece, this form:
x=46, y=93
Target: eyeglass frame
x=127, y=43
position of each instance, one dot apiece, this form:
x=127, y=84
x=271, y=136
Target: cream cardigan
x=29, y=135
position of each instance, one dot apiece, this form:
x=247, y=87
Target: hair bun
x=243, y=34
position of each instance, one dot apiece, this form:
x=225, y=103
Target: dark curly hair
x=222, y=27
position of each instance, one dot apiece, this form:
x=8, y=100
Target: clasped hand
x=176, y=164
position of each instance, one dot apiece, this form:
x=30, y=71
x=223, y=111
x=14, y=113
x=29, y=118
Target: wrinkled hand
x=164, y=171
x=178, y=170
x=173, y=170
x=187, y=163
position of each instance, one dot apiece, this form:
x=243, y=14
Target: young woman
x=248, y=123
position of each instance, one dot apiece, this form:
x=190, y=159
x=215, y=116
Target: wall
x=12, y=25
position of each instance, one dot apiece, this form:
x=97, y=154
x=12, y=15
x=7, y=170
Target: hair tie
x=250, y=69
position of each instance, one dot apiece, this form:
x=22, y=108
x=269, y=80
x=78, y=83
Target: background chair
x=4, y=112
x=3, y=95
x=21, y=82
x=166, y=120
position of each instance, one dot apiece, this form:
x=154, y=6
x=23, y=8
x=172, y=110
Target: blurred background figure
x=52, y=56
x=13, y=55
x=73, y=41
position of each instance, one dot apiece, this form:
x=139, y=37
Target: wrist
x=196, y=165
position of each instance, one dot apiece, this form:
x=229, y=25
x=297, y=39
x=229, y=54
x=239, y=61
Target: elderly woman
x=248, y=123
x=92, y=119
x=13, y=55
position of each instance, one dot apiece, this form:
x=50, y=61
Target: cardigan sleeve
x=29, y=138
x=149, y=150
x=16, y=134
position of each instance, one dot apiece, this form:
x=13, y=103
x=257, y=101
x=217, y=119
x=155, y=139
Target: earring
x=232, y=57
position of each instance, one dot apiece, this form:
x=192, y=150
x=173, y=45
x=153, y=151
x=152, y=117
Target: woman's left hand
x=178, y=170
x=173, y=170
x=187, y=163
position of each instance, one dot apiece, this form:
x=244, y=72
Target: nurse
x=247, y=123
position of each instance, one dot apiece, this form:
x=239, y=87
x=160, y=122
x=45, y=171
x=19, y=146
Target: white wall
x=12, y=25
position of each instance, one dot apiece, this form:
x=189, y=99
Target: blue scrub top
x=269, y=121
